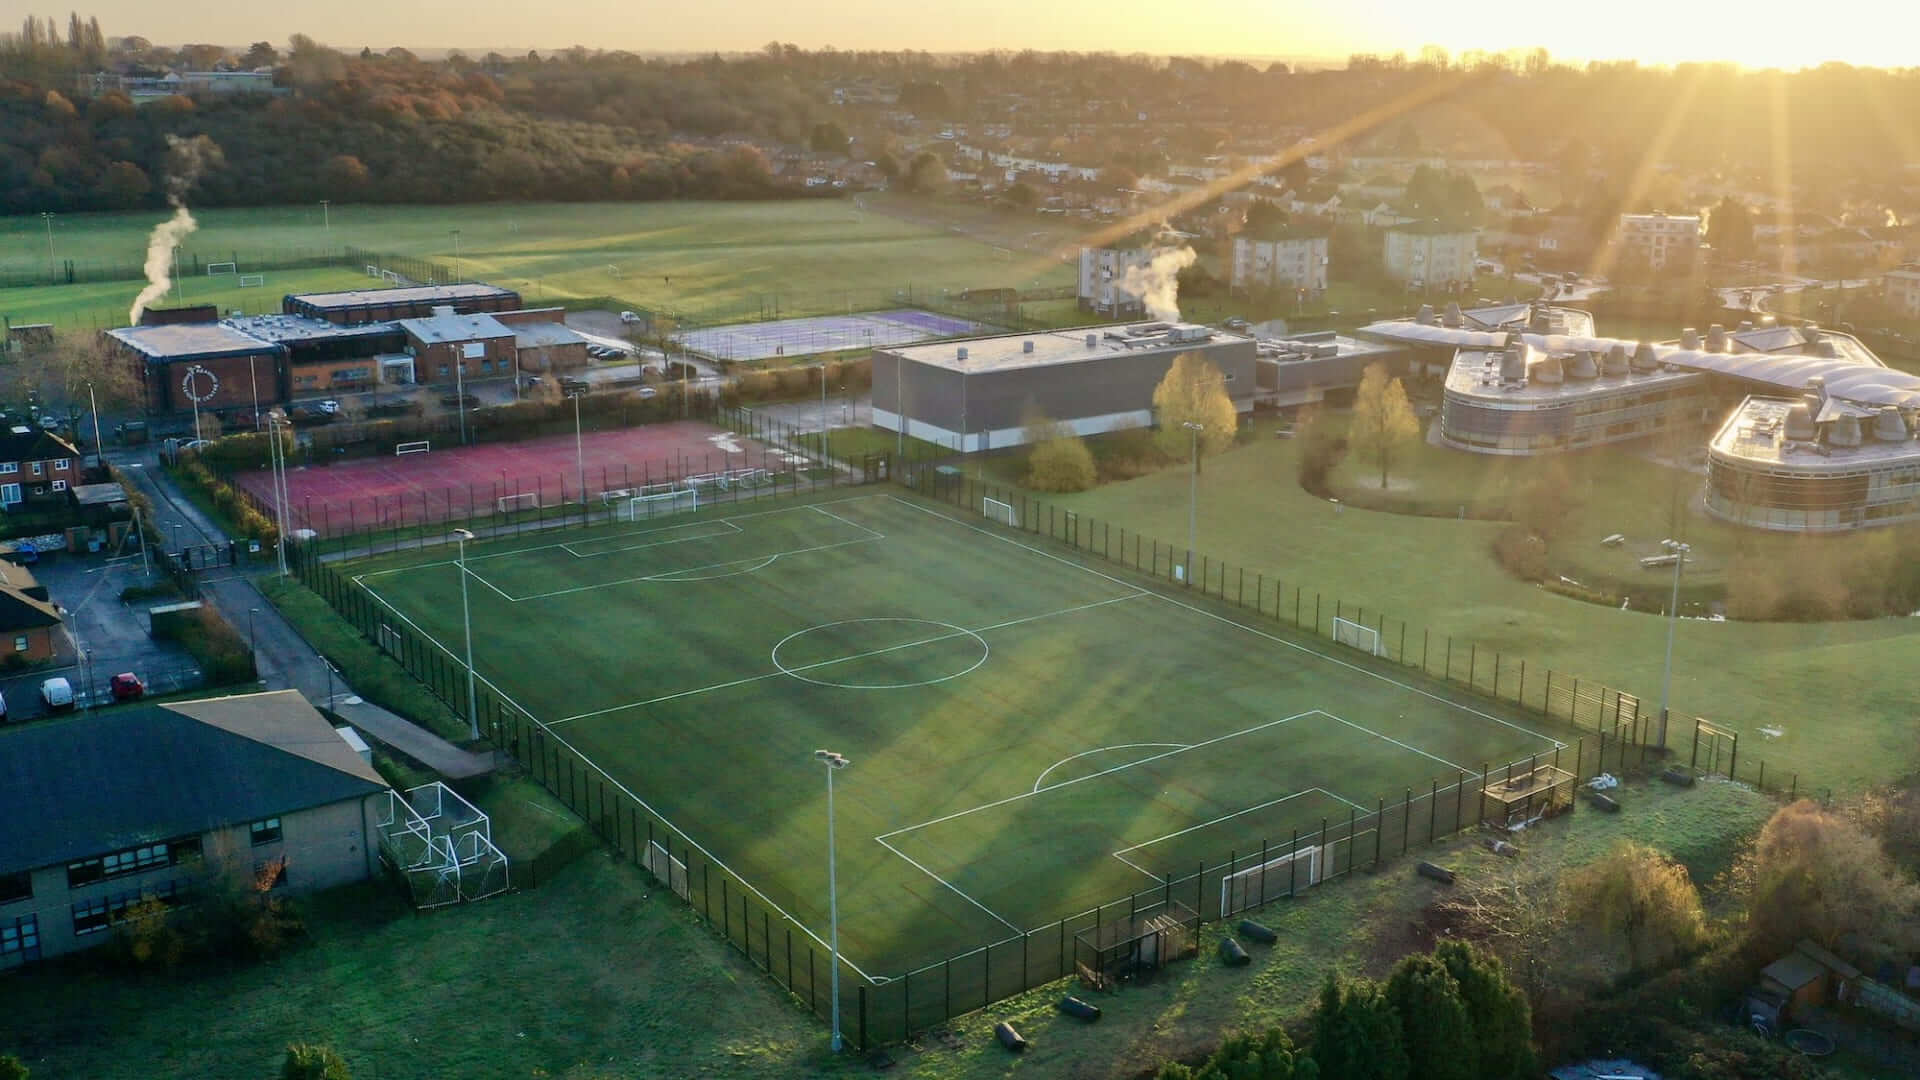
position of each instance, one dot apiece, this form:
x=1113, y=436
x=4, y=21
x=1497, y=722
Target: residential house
x=1431, y=254
x=36, y=466
x=1660, y=241
x=29, y=621
x=1283, y=257
x=1900, y=291
x=101, y=813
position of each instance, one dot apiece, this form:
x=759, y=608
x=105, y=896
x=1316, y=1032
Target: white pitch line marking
x=1038, y=784
x=949, y=885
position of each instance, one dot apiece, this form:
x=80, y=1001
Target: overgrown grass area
x=598, y=973
x=373, y=674
x=1440, y=574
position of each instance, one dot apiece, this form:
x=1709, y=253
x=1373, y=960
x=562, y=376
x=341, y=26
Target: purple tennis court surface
x=826, y=333
x=456, y=482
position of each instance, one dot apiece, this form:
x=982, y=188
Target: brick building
x=450, y=348
x=223, y=367
x=36, y=466
x=410, y=302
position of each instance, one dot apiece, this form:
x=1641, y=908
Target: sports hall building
x=1814, y=433
x=974, y=394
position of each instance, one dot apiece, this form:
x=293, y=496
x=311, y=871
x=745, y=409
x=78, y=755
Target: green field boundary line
x=1329, y=658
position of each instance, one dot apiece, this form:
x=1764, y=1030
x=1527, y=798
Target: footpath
x=285, y=658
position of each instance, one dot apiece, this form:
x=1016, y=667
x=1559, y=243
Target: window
x=265, y=832
x=19, y=941
x=39, y=467
x=133, y=861
x=59, y=485
x=16, y=886
x=95, y=914
x=20, y=643
x=443, y=369
x=63, y=465
x=9, y=467
x=9, y=494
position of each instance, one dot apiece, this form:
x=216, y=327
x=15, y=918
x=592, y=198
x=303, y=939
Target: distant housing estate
x=144, y=88
x=1431, y=254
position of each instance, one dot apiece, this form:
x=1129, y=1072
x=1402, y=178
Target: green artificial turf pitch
x=1030, y=735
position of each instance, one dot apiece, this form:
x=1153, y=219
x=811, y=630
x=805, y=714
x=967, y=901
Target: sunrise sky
x=1759, y=34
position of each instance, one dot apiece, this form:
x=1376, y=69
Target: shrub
x=11, y=1068
x=1643, y=899
x=1267, y=1056
x=1522, y=553
x=1818, y=875
x=215, y=646
x=311, y=1061
x=1356, y=1035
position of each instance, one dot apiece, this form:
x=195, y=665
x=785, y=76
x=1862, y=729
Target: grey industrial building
x=974, y=394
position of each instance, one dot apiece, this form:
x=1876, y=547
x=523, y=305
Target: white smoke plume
x=1157, y=284
x=186, y=160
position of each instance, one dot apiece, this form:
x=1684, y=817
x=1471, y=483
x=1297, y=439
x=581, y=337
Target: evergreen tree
x=1356, y=1035
x=1497, y=1010
x=1434, y=1026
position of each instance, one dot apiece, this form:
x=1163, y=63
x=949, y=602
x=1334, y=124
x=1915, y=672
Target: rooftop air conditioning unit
x=1026, y=346
x=962, y=354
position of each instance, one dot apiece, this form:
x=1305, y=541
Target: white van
x=57, y=693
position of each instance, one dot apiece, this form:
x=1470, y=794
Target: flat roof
x=282, y=328
x=438, y=329
x=1007, y=352
x=189, y=341
x=405, y=294
x=1319, y=345
x=1757, y=431
x=1476, y=373
x=537, y=335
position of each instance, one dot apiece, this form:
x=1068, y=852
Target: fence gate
x=1715, y=749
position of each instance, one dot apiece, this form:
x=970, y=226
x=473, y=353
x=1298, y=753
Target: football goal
x=389, y=639
x=221, y=268
x=708, y=482
x=373, y=271
x=405, y=448
x=641, y=507
x=252, y=281
x=1276, y=877
x=1000, y=512
x=1357, y=636
x=749, y=478
x=525, y=500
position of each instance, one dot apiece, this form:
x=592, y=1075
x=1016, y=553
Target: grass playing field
x=102, y=305
x=1030, y=736
x=678, y=255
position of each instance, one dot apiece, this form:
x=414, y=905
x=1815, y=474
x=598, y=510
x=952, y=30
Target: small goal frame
x=252, y=281
x=1002, y=512
x=1356, y=635
x=214, y=269
x=525, y=500
x=642, y=507
x=1244, y=890
x=419, y=447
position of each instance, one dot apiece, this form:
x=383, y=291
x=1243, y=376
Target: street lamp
x=456, y=253
x=466, y=617
x=251, y=612
x=326, y=222
x=47, y=216
x=1193, y=492
x=1679, y=552
x=834, y=763
x=579, y=454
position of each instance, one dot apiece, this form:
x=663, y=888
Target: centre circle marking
x=948, y=632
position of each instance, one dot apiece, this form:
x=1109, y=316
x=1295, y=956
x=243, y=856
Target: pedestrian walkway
x=285, y=658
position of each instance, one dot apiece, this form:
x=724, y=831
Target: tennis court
x=431, y=482
x=1029, y=735
x=825, y=334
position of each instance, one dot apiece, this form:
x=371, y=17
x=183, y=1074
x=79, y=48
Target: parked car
x=127, y=686
x=647, y=392
x=3, y=708
x=57, y=693
x=629, y=317
x=455, y=400
x=571, y=385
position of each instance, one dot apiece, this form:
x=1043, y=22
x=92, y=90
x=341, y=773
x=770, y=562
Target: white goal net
x=1357, y=636
x=1000, y=512
x=526, y=500
x=1280, y=876
x=641, y=507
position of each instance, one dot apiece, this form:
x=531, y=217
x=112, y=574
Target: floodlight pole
x=824, y=459
x=466, y=617
x=834, y=763
x=456, y=254
x=579, y=453
x=460, y=389
x=1193, y=493
x=47, y=216
x=99, y=448
x=1679, y=552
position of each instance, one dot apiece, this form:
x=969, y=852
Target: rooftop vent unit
x=1746, y=325
x=1026, y=346
x=1547, y=372
x=1453, y=319
x=1690, y=339
x=1189, y=333
x=1890, y=426
x=21, y=429
x=1614, y=366
x=1583, y=366
x=1513, y=364
x=1424, y=316
x=1644, y=358
x=1817, y=392
x=1716, y=338
x=962, y=353
x=1800, y=422
x=1540, y=321
x=443, y=309
x=1825, y=348
x=1093, y=341
x=1844, y=430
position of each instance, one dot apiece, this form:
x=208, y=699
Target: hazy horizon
x=1850, y=31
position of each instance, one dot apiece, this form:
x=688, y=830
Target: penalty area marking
x=1122, y=853
x=1039, y=783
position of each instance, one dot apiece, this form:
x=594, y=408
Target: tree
x=1356, y=1035
x=1022, y=196
x=312, y=1061
x=828, y=138
x=1818, y=875
x=1267, y=1056
x=1643, y=900
x=1730, y=229
x=124, y=185
x=926, y=173
x=12, y=1068
x=1497, y=1011
x=1434, y=1028
x=261, y=54
x=1059, y=460
x=343, y=173
x=1383, y=421
x=1193, y=392
x=888, y=165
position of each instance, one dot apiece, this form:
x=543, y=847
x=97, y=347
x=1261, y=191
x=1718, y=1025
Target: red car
x=128, y=687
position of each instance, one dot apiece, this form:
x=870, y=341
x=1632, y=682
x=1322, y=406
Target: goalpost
x=405, y=448
x=641, y=507
x=526, y=500
x=1269, y=880
x=1357, y=636
x=252, y=281
x=373, y=271
x=214, y=269
x=1000, y=512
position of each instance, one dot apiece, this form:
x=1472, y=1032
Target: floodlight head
x=831, y=759
x=1191, y=426
x=464, y=534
